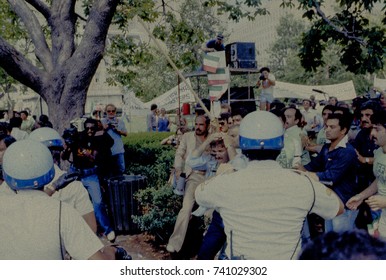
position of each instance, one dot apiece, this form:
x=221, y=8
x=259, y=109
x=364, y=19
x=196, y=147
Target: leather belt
x=201, y=172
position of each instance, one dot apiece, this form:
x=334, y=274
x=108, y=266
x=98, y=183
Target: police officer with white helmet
x=264, y=206
x=34, y=226
x=74, y=192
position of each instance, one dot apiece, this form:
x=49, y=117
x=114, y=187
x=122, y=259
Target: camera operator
x=116, y=128
x=85, y=149
x=267, y=81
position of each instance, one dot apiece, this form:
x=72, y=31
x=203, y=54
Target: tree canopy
x=68, y=39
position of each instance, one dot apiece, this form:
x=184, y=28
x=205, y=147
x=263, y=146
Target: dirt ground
x=140, y=247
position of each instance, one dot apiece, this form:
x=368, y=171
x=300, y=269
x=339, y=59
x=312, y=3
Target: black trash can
x=121, y=202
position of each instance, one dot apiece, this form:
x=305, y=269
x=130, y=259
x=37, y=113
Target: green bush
x=158, y=204
x=145, y=155
x=159, y=208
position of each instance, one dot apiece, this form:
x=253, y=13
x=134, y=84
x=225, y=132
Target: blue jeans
x=214, y=239
x=119, y=164
x=343, y=222
x=91, y=183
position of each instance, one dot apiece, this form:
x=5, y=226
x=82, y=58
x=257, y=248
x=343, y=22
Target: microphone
x=318, y=90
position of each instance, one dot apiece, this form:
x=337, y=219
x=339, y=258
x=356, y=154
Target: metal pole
x=179, y=102
x=175, y=68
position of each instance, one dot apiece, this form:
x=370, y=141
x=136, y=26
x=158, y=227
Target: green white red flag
x=220, y=77
x=216, y=91
x=214, y=60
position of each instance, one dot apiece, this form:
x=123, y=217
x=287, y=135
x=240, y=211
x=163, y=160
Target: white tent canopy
x=169, y=100
x=343, y=91
x=132, y=102
x=380, y=83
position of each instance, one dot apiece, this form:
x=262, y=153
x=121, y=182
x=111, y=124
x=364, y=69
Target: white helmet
x=47, y=136
x=261, y=130
x=27, y=164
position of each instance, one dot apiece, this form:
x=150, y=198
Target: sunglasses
x=221, y=123
x=110, y=111
x=90, y=128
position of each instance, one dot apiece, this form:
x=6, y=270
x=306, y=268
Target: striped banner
x=221, y=77
x=211, y=62
x=215, y=92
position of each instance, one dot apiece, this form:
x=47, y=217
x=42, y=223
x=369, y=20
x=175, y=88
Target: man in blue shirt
x=116, y=128
x=215, y=45
x=335, y=166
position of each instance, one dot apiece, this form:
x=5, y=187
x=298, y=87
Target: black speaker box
x=244, y=100
x=241, y=55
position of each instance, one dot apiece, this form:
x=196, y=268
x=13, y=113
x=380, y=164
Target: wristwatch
x=51, y=188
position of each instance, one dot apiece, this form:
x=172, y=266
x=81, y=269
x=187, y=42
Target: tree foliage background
x=67, y=42
x=143, y=69
x=286, y=64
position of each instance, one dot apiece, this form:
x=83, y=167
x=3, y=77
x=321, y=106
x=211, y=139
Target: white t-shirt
x=29, y=228
x=263, y=208
x=379, y=169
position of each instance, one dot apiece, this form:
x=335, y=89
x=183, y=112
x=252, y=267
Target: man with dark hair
x=214, y=45
x=333, y=101
x=364, y=145
x=348, y=245
x=28, y=123
x=312, y=119
x=225, y=121
x=16, y=132
x=151, y=119
x=189, y=142
x=221, y=151
x=375, y=194
x=238, y=114
x=291, y=155
x=43, y=122
x=321, y=136
x=84, y=161
x=263, y=216
x=336, y=166
x=267, y=81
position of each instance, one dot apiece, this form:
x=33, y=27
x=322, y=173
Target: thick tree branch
x=40, y=7
x=338, y=29
x=42, y=51
x=62, y=25
x=19, y=68
x=87, y=59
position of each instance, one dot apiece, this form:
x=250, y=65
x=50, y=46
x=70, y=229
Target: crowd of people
x=281, y=179
x=256, y=185
x=158, y=121
x=39, y=199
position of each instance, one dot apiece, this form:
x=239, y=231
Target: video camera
x=70, y=136
x=112, y=124
x=262, y=78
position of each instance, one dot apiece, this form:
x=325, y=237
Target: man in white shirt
x=264, y=206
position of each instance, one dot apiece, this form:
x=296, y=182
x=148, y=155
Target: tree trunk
x=65, y=71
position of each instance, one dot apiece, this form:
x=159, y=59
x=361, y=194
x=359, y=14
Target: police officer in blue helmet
x=264, y=206
x=27, y=165
x=33, y=225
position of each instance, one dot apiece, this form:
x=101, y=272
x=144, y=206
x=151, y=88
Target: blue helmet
x=261, y=130
x=27, y=164
x=47, y=136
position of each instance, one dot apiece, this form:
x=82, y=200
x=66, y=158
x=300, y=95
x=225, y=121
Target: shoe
x=223, y=257
x=170, y=249
x=121, y=254
x=111, y=236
